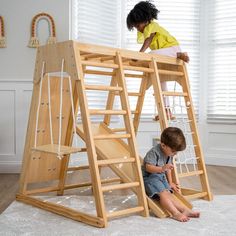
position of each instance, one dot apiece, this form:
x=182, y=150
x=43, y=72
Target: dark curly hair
x=143, y=11
x=174, y=138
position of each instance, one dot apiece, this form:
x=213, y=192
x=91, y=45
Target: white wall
x=16, y=70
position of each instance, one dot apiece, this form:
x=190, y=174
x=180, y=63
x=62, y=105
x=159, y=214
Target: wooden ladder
x=153, y=76
x=179, y=74
x=94, y=163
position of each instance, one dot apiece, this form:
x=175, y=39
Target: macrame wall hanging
x=2, y=33
x=34, y=41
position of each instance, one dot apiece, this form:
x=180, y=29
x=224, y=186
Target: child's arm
x=147, y=43
x=158, y=169
x=169, y=178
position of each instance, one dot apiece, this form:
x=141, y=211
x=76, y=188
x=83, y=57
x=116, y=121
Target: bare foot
x=183, y=56
x=193, y=214
x=180, y=217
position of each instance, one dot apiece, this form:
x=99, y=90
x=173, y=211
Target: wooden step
x=169, y=72
x=92, y=55
x=98, y=72
x=190, y=173
x=138, y=68
x=119, y=186
x=118, y=129
x=107, y=58
x=99, y=64
x=111, y=136
x=134, y=112
x=196, y=195
x=134, y=94
x=103, y=88
x=53, y=149
x=115, y=161
x=192, y=193
x=125, y=212
x=178, y=94
x=107, y=112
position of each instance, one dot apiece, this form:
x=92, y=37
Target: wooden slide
x=117, y=148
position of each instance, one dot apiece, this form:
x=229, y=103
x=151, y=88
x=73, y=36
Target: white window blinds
x=182, y=19
x=222, y=60
x=96, y=22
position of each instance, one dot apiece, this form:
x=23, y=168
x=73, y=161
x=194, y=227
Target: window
x=96, y=22
x=182, y=19
x=222, y=61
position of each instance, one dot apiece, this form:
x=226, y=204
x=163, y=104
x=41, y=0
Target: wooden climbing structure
x=60, y=93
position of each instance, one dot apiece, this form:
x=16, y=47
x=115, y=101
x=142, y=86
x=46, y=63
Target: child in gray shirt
x=157, y=167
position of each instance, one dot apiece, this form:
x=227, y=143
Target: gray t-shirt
x=156, y=157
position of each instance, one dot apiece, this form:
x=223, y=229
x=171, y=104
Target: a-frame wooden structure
x=115, y=148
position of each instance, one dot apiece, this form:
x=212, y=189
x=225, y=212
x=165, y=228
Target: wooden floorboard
x=221, y=179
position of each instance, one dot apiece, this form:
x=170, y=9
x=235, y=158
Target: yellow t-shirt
x=162, y=38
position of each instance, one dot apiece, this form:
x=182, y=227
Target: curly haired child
x=153, y=36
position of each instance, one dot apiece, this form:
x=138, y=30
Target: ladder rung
x=196, y=195
x=179, y=94
x=191, y=173
x=125, y=212
x=107, y=58
x=169, y=72
x=98, y=72
x=119, y=186
x=134, y=94
x=107, y=112
x=92, y=55
x=118, y=129
x=53, y=149
x=137, y=68
x=103, y=88
x=134, y=76
x=111, y=136
x=134, y=112
x=115, y=161
x=99, y=64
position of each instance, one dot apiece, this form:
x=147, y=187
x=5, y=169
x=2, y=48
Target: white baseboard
x=10, y=167
x=220, y=161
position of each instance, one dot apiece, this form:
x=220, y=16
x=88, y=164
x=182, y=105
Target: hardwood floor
x=221, y=179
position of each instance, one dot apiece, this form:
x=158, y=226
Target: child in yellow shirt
x=153, y=36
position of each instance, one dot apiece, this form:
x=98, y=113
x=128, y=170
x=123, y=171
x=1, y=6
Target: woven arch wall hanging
x=34, y=41
x=2, y=33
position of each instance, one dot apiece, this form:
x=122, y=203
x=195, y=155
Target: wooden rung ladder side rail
x=120, y=78
x=110, y=100
x=140, y=101
x=89, y=140
x=195, y=136
x=159, y=100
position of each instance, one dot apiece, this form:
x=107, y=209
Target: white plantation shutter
x=182, y=19
x=96, y=22
x=222, y=60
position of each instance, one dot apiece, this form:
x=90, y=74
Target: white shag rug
x=218, y=217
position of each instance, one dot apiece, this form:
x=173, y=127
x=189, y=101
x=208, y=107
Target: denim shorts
x=155, y=183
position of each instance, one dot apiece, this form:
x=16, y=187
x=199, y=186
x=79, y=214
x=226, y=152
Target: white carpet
x=217, y=218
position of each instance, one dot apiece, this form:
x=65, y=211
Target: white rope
x=39, y=101
x=60, y=114
x=49, y=110
x=72, y=110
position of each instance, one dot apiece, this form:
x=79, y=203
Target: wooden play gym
x=60, y=95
